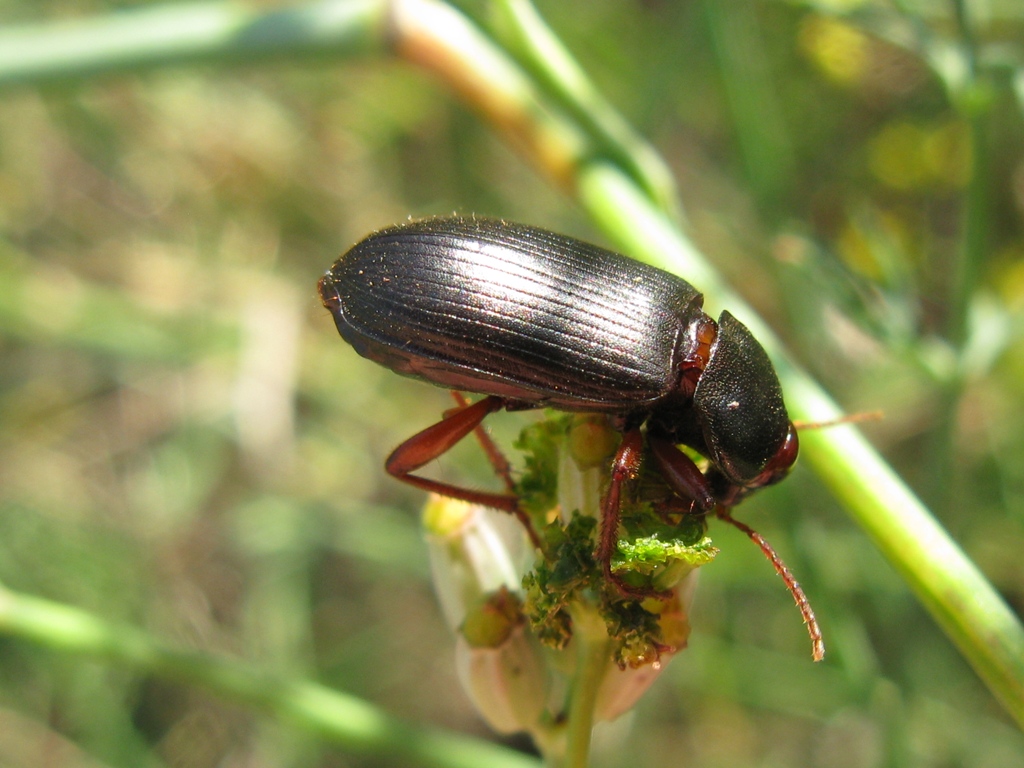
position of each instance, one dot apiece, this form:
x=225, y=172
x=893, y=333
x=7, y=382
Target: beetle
x=531, y=319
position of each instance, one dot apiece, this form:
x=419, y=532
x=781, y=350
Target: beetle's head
x=738, y=406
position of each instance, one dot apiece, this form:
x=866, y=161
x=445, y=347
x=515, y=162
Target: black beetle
x=535, y=319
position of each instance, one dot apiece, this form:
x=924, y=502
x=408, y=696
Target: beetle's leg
x=625, y=466
x=681, y=474
x=435, y=441
x=674, y=507
x=502, y=467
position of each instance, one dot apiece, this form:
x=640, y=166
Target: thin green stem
x=966, y=25
x=972, y=253
x=757, y=119
x=173, y=35
x=976, y=223
x=592, y=655
x=344, y=719
x=974, y=99
x=536, y=47
x=581, y=490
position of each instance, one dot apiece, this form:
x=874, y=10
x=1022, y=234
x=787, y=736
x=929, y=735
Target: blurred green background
x=186, y=444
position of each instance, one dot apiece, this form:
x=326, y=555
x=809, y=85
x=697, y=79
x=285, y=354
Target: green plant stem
x=173, y=35
x=973, y=250
x=974, y=100
x=958, y=596
x=592, y=655
x=438, y=39
x=536, y=47
x=752, y=96
x=344, y=719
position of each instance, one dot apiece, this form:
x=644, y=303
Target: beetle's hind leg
x=438, y=439
x=502, y=466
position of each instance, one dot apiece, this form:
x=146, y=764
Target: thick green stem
x=542, y=54
x=961, y=600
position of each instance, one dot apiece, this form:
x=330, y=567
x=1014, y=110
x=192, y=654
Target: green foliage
x=662, y=563
x=560, y=578
x=539, y=445
x=654, y=554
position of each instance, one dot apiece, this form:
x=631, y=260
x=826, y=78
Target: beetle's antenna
x=817, y=643
x=850, y=418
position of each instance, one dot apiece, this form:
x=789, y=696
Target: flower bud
x=501, y=666
x=622, y=687
x=591, y=441
x=474, y=552
x=583, y=465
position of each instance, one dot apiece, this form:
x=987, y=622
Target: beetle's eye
x=738, y=402
x=778, y=466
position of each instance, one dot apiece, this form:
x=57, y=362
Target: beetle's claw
x=634, y=592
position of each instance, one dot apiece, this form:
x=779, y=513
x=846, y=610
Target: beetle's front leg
x=625, y=467
x=681, y=474
x=438, y=439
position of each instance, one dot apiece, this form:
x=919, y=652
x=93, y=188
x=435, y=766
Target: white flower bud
x=474, y=552
x=501, y=665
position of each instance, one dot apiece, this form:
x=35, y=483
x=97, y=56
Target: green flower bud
x=591, y=441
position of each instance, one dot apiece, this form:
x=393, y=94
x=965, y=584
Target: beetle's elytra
x=535, y=319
